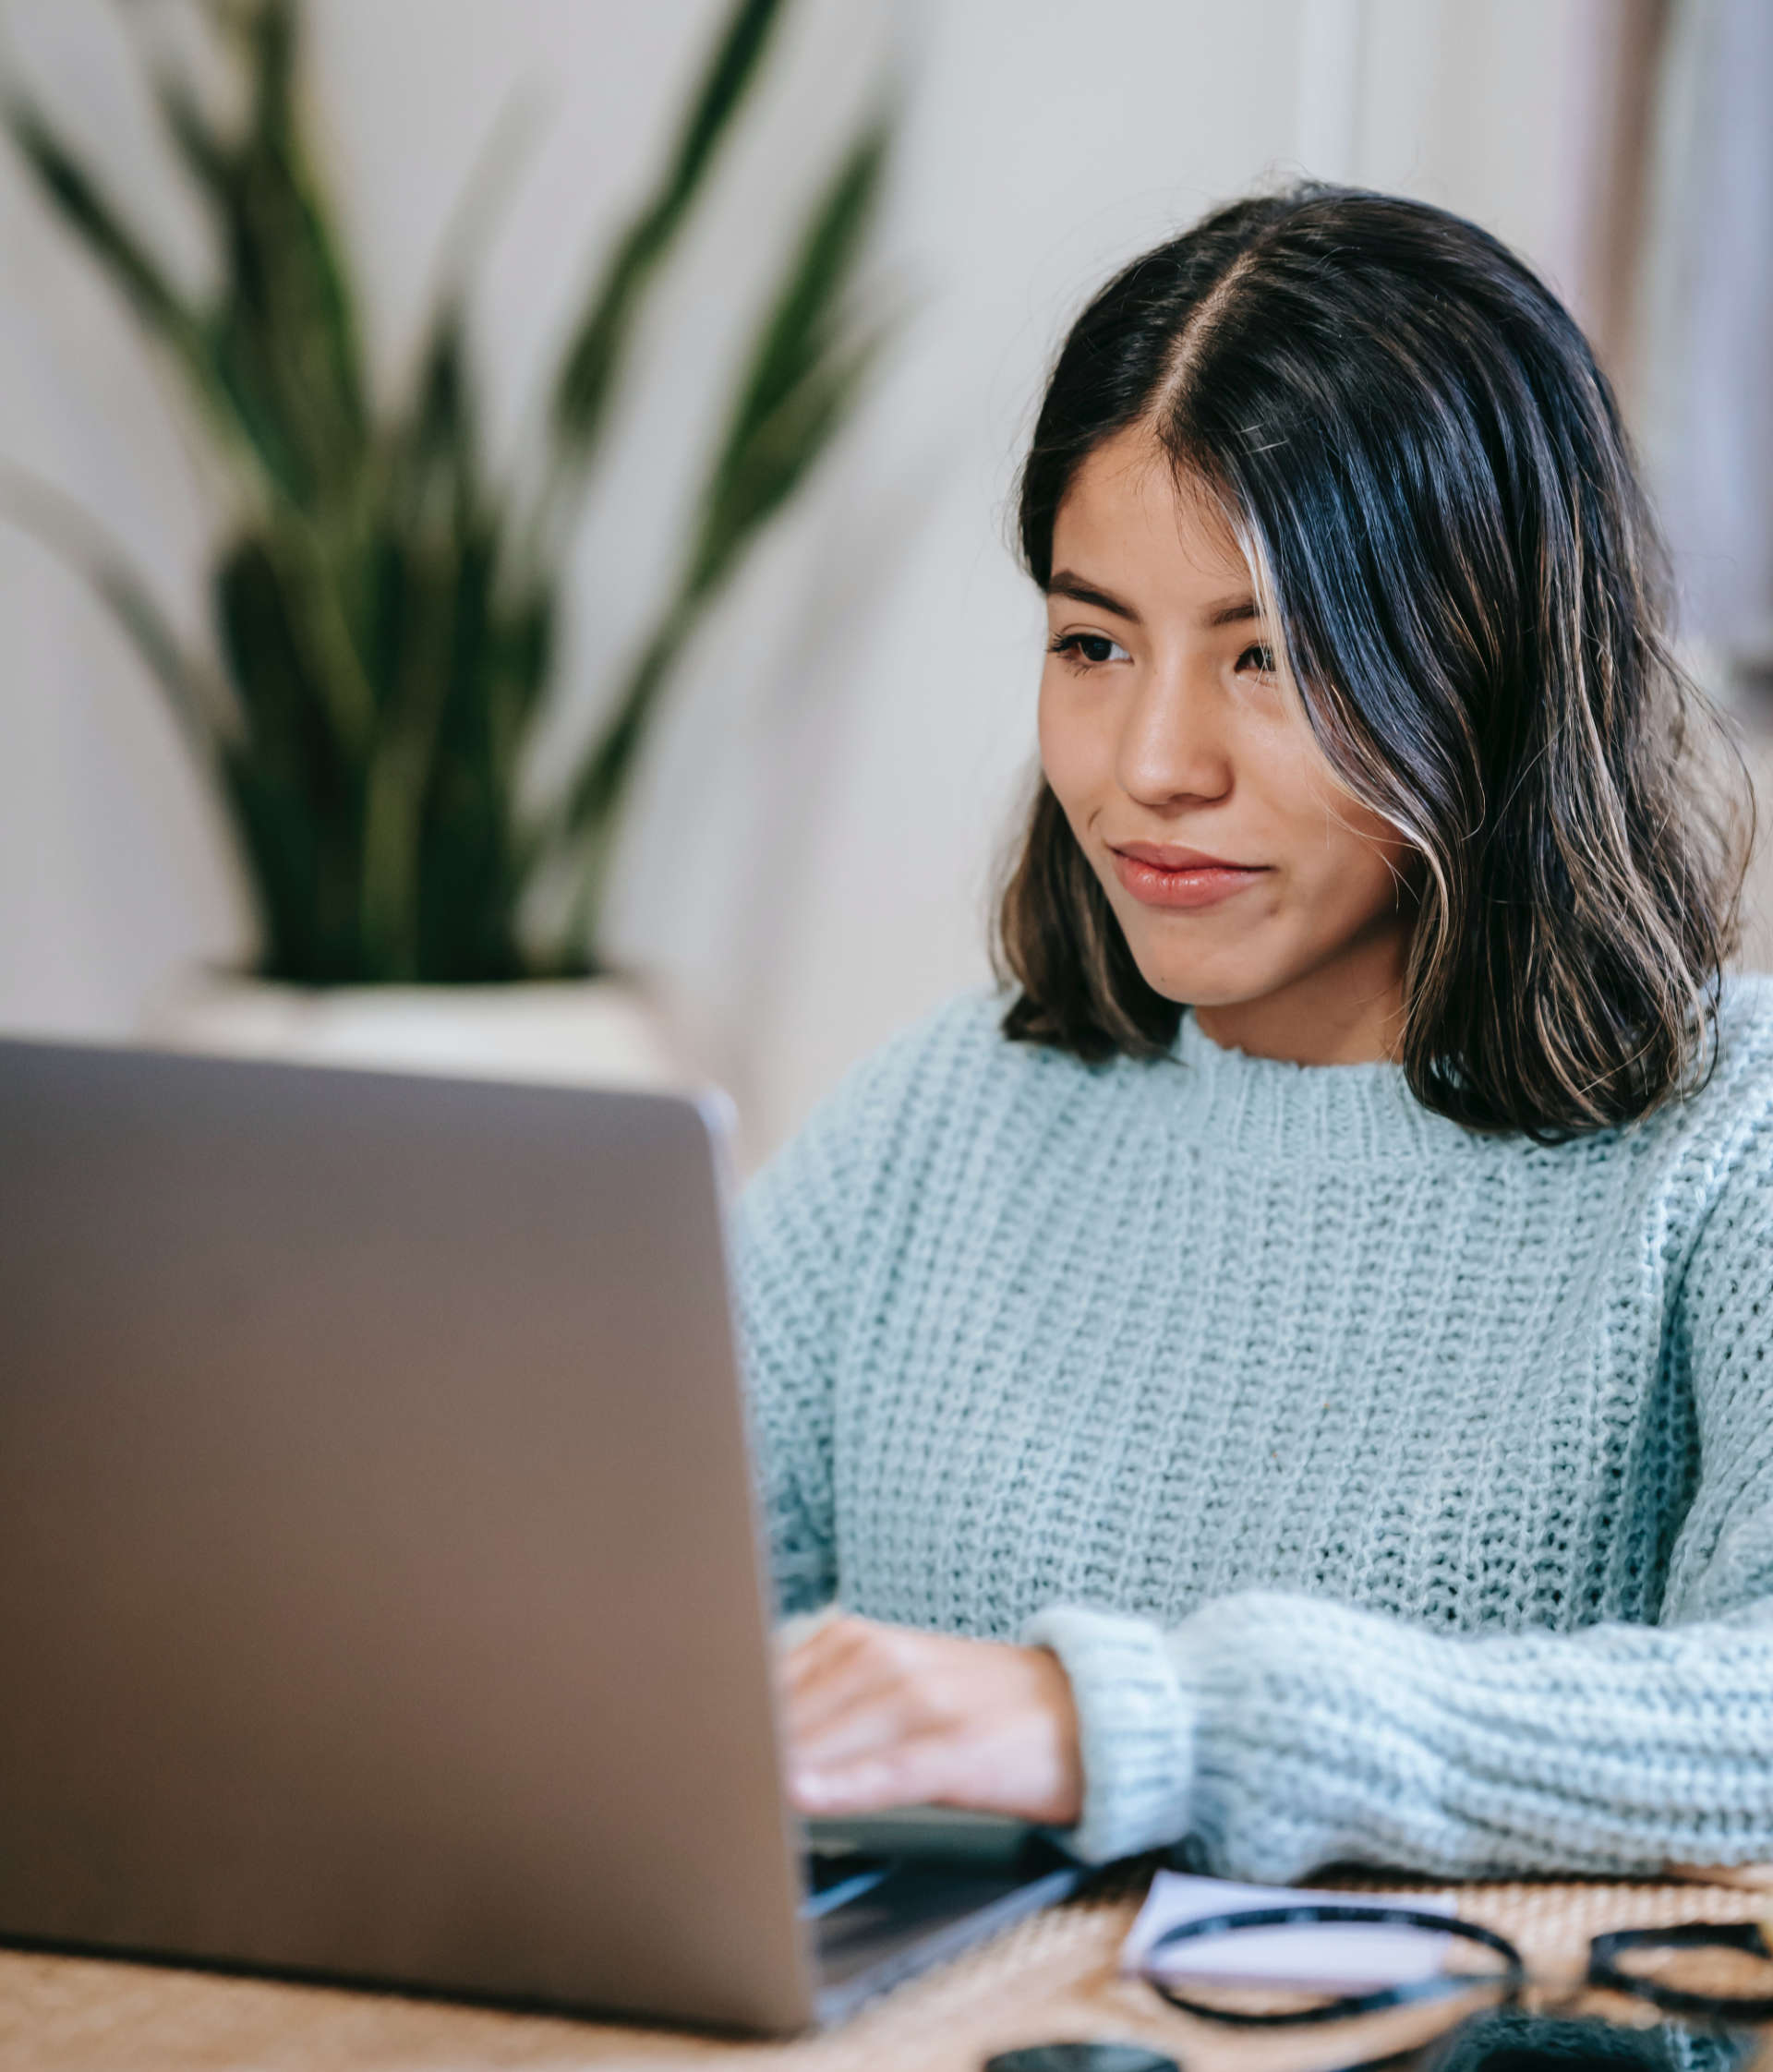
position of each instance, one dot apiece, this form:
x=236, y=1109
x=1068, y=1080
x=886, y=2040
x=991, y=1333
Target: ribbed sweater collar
x=1262, y=1105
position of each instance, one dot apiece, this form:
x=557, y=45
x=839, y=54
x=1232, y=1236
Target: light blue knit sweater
x=1389, y=1493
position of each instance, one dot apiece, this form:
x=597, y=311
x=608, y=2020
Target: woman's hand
x=885, y=1716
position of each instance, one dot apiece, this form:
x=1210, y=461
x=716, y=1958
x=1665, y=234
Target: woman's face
x=1250, y=884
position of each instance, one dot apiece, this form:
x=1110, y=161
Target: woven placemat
x=1053, y=1977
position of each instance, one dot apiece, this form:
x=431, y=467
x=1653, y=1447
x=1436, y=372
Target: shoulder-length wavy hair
x=1430, y=477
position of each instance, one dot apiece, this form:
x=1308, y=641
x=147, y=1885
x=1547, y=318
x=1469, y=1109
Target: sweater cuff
x=1136, y=1725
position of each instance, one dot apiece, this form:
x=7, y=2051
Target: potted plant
x=385, y=611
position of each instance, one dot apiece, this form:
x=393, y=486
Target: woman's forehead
x=1133, y=524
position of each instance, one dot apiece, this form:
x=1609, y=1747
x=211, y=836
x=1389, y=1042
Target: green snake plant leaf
x=428, y=611
x=206, y=155
x=800, y=371
x=81, y=204
x=198, y=703
x=294, y=793
x=432, y=473
x=593, y=352
x=437, y=460
x=284, y=338
x=807, y=365
x=276, y=364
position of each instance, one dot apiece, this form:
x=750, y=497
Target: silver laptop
x=380, y=1591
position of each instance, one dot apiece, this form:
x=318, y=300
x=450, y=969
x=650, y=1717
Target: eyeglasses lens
x=1322, y=1970
x=1294, y=1998
x=1716, y=1971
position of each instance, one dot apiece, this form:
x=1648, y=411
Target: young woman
x=1295, y=1370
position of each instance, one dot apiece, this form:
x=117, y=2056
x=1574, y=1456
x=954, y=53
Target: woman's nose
x=1171, y=745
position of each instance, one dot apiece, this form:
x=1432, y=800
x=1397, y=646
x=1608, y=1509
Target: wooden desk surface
x=1050, y=1978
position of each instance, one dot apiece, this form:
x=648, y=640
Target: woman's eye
x=1258, y=658
x=1087, y=650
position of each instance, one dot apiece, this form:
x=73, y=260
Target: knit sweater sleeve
x=1282, y=1732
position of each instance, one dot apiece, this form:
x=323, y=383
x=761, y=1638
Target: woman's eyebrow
x=1064, y=584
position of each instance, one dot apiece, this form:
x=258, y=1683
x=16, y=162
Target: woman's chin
x=1204, y=984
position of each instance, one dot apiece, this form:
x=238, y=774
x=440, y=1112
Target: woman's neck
x=1348, y=1010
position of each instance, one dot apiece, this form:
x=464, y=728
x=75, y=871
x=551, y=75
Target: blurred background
x=672, y=364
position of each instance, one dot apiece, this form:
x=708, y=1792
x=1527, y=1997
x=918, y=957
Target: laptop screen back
x=378, y=1589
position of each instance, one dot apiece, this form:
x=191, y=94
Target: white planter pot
x=581, y=1032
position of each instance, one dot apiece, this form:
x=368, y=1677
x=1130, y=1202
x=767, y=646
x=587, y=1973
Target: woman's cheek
x=1071, y=750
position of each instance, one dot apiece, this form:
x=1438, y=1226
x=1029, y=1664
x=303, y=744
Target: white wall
x=809, y=859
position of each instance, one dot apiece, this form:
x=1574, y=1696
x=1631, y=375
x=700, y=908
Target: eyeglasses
x=1715, y=1973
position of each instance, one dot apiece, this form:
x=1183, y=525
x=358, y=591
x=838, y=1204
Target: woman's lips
x=1180, y=878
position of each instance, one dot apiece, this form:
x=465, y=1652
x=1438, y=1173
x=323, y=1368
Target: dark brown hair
x=1428, y=472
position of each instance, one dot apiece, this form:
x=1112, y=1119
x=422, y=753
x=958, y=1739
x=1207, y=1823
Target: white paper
x=1356, y=1957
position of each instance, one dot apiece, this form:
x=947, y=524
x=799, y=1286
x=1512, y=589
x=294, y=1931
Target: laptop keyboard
x=833, y=1881
x=849, y=1860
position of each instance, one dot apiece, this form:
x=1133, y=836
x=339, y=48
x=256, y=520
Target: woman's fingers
x=842, y=1650
x=830, y=1679
x=866, y=1726
x=852, y=1704
x=856, y=1696
x=883, y=1716
x=916, y=1773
